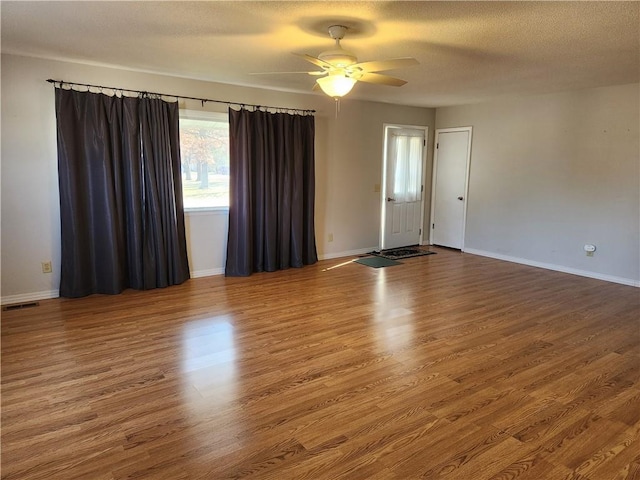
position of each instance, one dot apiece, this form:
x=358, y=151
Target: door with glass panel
x=402, y=202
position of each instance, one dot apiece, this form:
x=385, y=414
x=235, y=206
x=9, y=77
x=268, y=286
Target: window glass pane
x=204, y=151
x=406, y=151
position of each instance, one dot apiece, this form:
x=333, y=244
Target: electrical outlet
x=46, y=267
x=330, y=237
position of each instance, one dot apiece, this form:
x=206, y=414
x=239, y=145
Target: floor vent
x=19, y=306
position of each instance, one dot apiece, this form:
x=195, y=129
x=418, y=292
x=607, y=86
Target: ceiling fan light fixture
x=336, y=86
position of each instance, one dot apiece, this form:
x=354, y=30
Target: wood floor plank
x=449, y=366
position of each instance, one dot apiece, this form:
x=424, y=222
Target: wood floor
x=447, y=366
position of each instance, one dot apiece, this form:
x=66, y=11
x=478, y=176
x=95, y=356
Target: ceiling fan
x=340, y=69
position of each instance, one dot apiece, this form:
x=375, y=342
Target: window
x=204, y=152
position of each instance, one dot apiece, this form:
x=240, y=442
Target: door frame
x=466, y=180
x=383, y=190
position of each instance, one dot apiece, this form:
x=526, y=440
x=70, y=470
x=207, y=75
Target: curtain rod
x=202, y=100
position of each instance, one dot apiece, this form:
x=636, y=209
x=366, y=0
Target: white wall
x=551, y=173
x=348, y=166
x=548, y=174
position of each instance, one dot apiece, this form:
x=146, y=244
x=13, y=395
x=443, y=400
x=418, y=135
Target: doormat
x=377, y=262
x=403, y=252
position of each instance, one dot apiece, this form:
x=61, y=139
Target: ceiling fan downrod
x=338, y=56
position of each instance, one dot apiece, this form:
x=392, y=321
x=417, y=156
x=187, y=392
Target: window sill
x=194, y=211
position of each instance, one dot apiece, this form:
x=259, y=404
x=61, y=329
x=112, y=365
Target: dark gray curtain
x=271, y=192
x=122, y=220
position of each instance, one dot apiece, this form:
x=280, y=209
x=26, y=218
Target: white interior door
x=451, y=161
x=403, y=186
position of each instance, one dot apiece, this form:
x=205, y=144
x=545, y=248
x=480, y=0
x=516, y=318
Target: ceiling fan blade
x=314, y=60
x=380, y=79
x=280, y=73
x=382, y=65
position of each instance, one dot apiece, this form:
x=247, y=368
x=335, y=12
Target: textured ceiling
x=468, y=51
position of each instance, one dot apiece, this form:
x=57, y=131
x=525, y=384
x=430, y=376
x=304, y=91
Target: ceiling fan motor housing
x=338, y=57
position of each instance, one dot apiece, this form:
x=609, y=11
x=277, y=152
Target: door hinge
x=433, y=225
x=419, y=231
x=424, y=142
x=437, y=146
x=422, y=188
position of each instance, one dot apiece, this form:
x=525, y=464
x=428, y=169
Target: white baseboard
x=349, y=253
x=557, y=268
x=32, y=297
x=207, y=273
x=46, y=295
x=329, y=256
x=29, y=297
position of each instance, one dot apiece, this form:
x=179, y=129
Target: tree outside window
x=204, y=151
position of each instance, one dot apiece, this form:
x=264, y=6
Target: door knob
x=460, y=198
x=389, y=199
